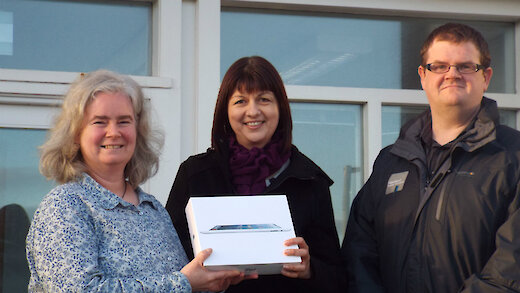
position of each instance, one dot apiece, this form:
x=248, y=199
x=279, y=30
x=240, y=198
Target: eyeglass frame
x=477, y=67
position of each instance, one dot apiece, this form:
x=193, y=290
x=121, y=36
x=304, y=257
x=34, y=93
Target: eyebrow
x=437, y=61
x=121, y=117
x=242, y=95
x=258, y=93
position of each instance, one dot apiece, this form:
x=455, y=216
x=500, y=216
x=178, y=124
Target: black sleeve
x=175, y=206
x=502, y=271
x=328, y=274
x=359, y=249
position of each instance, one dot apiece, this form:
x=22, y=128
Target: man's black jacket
x=458, y=230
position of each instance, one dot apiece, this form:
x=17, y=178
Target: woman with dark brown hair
x=252, y=153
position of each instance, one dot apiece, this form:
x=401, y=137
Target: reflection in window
x=349, y=50
x=331, y=135
x=21, y=190
x=76, y=35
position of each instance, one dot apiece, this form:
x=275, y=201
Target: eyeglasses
x=438, y=67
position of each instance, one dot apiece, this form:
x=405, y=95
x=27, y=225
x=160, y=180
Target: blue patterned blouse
x=84, y=238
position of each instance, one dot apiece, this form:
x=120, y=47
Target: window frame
x=39, y=92
x=374, y=99
x=186, y=73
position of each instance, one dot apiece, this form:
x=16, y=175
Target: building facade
x=350, y=67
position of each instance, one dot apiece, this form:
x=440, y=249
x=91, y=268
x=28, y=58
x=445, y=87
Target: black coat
x=308, y=195
x=459, y=231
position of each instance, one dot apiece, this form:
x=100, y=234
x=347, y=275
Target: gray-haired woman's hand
x=202, y=279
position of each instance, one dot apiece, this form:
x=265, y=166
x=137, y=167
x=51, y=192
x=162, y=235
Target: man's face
x=453, y=89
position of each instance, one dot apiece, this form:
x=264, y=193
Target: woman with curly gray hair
x=98, y=231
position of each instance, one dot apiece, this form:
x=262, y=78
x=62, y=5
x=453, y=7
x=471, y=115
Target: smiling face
x=108, y=136
x=453, y=88
x=253, y=117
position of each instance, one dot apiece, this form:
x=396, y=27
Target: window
x=76, y=35
x=333, y=61
x=20, y=180
x=508, y=117
x=393, y=117
x=349, y=50
x=21, y=189
x=336, y=128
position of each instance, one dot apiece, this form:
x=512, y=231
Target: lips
x=456, y=85
x=254, y=123
x=110, y=147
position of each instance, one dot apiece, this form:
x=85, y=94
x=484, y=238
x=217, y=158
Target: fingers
x=220, y=280
x=216, y=275
x=290, y=272
x=202, y=279
x=251, y=276
x=303, y=253
x=220, y=285
x=242, y=277
x=296, y=241
x=301, y=270
x=203, y=255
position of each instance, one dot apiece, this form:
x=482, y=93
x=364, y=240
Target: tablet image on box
x=245, y=232
x=244, y=228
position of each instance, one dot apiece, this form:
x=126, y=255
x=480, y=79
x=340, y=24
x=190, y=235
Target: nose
x=252, y=109
x=113, y=130
x=453, y=72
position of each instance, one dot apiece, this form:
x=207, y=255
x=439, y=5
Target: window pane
x=508, y=117
x=21, y=189
x=337, y=129
x=20, y=180
x=75, y=35
x=393, y=117
x=349, y=50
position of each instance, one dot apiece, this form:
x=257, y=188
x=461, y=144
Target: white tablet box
x=252, y=249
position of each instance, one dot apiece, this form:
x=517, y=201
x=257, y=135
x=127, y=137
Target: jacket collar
x=479, y=133
x=484, y=128
x=300, y=167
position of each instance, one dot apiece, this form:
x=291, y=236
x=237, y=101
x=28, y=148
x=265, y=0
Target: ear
x=488, y=73
x=422, y=73
x=77, y=138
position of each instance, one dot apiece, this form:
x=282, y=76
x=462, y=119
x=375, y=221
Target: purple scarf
x=250, y=168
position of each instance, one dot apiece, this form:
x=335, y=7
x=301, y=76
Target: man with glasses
x=440, y=212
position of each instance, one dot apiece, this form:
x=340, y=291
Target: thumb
x=203, y=255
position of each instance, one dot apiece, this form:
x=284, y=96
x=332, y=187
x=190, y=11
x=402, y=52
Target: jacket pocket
x=449, y=186
x=441, y=202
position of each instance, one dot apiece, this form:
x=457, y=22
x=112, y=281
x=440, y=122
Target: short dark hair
x=251, y=74
x=458, y=33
